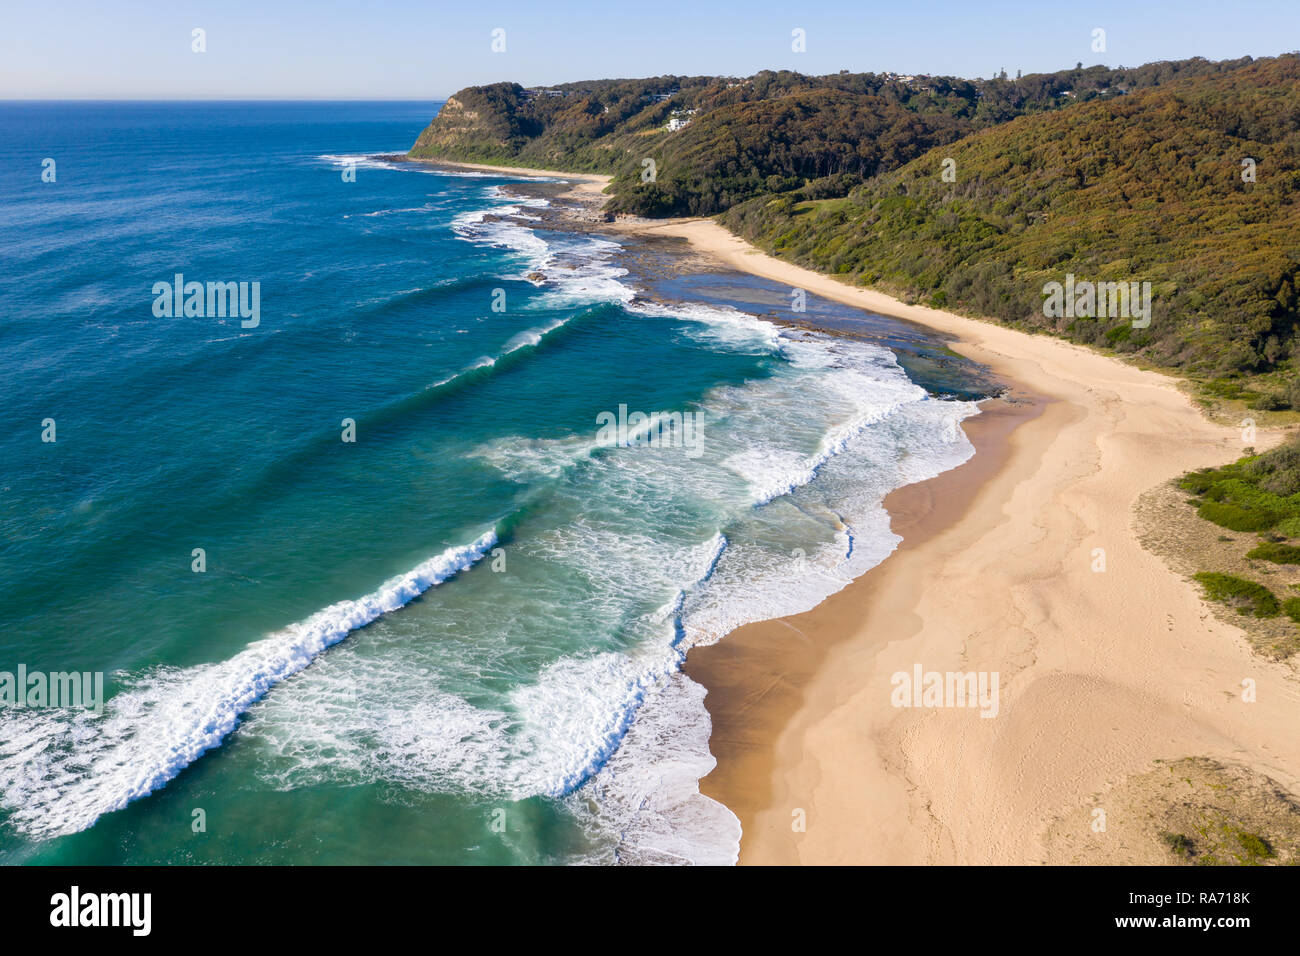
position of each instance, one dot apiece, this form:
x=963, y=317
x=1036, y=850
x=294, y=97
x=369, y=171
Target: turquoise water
x=456, y=638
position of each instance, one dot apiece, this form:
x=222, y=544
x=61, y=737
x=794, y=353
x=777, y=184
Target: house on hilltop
x=678, y=119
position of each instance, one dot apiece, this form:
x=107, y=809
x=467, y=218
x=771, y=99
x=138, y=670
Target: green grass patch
x=1255, y=847
x=1247, y=596
x=1236, y=518
x=1256, y=493
x=1232, y=390
x=1275, y=552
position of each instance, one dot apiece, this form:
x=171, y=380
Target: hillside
x=1109, y=175
x=716, y=141
x=1143, y=187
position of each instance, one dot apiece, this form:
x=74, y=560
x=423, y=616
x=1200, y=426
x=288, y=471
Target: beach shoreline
x=1024, y=562
x=1104, y=673
x=587, y=189
x=758, y=676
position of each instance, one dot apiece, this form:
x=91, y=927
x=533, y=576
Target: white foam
x=719, y=326
x=588, y=702
x=629, y=723
x=576, y=269
x=360, y=161
x=523, y=457
x=918, y=441
x=548, y=737
x=377, y=213
x=816, y=446
x=376, y=161
x=60, y=772
x=813, y=448
x=648, y=793
x=528, y=338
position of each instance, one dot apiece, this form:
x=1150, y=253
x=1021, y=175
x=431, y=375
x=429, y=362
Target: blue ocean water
x=456, y=637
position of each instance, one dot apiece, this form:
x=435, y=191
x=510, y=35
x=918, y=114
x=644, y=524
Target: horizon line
x=442, y=98
x=224, y=99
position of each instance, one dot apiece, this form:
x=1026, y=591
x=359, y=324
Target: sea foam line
x=638, y=673
x=60, y=773
x=528, y=338
x=833, y=444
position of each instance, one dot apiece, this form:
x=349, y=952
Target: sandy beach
x=587, y=188
x=1102, y=672
x=1024, y=562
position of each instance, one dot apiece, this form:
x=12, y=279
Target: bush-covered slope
x=1144, y=187
x=748, y=149
x=739, y=138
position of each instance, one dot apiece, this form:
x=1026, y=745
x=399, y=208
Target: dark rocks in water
x=535, y=277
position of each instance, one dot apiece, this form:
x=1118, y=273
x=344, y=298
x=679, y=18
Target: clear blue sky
x=403, y=49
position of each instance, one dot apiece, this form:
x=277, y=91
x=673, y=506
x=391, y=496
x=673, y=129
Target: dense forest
x=970, y=194
x=1149, y=187
x=742, y=138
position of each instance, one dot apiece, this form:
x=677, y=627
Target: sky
x=404, y=49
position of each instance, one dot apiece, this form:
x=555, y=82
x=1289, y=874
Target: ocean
x=394, y=565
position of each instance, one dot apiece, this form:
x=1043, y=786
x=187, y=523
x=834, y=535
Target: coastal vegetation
x=1256, y=493
x=1231, y=846
x=1155, y=186
x=970, y=195
x=1193, y=811
x=774, y=132
x=1247, y=595
x=1222, y=815
x=1259, y=496
x=978, y=196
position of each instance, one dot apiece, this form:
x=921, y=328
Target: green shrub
x=1229, y=389
x=1235, y=518
x=1178, y=843
x=1277, y=553
x=1271, y=402
x=1198, y=482
x=1247, y=596
x=1256, y=847
x=1228, y=318
x=1291, y=608
x=1245, y=491
x=1255, y=493
x=1278, y=471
